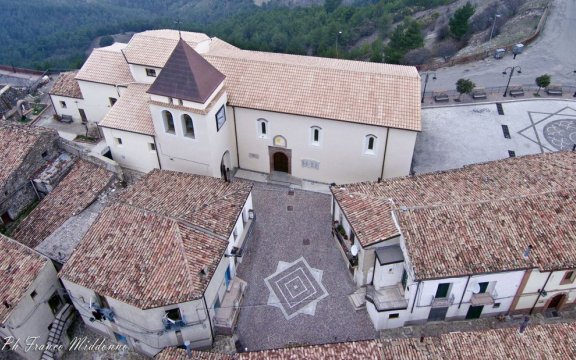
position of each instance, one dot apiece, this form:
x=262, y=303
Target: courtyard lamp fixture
x=518, y=70
x=575, y=90
x=493, y=25
x=337, y=37
x=427, y=75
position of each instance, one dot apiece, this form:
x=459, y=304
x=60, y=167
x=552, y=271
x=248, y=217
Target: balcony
x=345, y=245
x=227, y=314
x=387, y=298
x=483, y=298
x=442, y=302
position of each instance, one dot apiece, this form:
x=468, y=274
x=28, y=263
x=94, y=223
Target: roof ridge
x=180, y=244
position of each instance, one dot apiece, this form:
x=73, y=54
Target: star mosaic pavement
x=295, y=288
x=552, y=131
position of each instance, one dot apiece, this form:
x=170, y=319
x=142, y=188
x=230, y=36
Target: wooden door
x=280, y=162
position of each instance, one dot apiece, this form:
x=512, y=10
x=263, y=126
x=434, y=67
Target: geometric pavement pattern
x=558, y=129
x=295, y=288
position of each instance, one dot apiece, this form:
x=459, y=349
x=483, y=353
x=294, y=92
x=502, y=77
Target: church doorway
x=557, y=302
x=280, y=160
x=225, y=165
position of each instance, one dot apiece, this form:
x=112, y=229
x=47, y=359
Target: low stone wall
x=77, y=150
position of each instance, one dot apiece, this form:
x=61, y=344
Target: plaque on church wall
x=280, y=141
x=253, y=156
x=310, y=164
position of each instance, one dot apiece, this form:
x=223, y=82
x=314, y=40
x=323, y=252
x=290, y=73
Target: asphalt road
x=553, y=52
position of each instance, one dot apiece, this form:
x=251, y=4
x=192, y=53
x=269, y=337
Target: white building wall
x=388, y=274
x=139, y=73
x=96, y=99
x=135, y=152
x=399, y=153
x=71, y=109
x=32, y=316
x=340, y=153
x=536, y=281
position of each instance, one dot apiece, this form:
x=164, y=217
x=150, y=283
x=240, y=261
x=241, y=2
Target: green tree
x=106, y=41
x=376, y=51
x=464, y=86
x=405, y=37
x=542, y=81
x=459, y=21
x=331, y=5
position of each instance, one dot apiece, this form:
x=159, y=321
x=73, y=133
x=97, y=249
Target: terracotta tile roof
x=187, y=75
x=148, y=249
x=79, y=188
x=364, y=350
x=482, y=217
x=371, y=349
x=369, y=226
x=131, y=112
x=173, y=353
x=106, y=66
x=153, y=47
x=15, y=144
x=550, y=341
x=19, y=267
x=66, y=85
x=354, y=91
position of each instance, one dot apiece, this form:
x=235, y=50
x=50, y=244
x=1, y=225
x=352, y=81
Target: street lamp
x=337, y=36
x=512, y=68
x=574, y=91
x=426, y=82
x=493, y=25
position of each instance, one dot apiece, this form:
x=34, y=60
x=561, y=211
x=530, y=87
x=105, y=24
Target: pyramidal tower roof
x=187, y=76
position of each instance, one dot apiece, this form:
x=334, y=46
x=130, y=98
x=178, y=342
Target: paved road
x=553, y=52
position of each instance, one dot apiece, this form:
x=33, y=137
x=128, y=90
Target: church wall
x=97, y=99
x=135, y=152
x=341, y=153
x=399, y=153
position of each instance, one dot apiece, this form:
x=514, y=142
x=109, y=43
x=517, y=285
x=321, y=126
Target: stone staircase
x=55, y=335
x=358, y=298
x=284, y=179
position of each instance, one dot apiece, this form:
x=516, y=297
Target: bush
x=464, y=86
x=417, y=57
x=459, y=25
x=106, y=40
x=446, y=49
x=543, y=81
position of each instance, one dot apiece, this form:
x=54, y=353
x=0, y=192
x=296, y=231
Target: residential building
x=191, y=103
x=24, y=150
x=158, y=267
x=30, y=295
x=484, y=240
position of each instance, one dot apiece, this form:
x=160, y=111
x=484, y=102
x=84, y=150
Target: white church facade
x=197, y=104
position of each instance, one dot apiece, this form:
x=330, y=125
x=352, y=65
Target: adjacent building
x=158, y=267
x=24, y=150
x=486, y=240
x=191, y=103
x=31, y=298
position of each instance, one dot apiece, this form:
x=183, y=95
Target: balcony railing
x=442, y=302
x=227, y=314
x=346, y=245
x=386, y=298
x=486, y=298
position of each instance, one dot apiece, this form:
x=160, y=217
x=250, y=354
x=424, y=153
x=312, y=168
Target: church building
x=191, y=103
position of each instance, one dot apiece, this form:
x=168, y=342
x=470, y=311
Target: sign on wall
x=311, y=164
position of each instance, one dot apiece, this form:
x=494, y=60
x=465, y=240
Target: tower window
x=168, y=122
x=188, y=126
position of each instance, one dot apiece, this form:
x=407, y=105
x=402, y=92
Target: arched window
x=370, y=144
x=315, y=135
x=188, y=126
x=168, y=122
x=263, y=128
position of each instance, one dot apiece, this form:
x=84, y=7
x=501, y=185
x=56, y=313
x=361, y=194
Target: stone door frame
x=273, y=150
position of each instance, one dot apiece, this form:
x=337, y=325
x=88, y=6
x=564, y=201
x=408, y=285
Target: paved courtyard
x=298, y=284
x=455, y=136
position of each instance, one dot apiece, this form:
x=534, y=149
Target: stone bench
x=554, y=90
x=516, y=91
x=479, y=94
x=441, y=97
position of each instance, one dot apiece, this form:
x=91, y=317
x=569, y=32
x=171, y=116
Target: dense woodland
x=54, y=34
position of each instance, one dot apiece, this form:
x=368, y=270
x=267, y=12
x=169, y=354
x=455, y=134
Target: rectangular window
x=496, y=305
x=112, y=101
x=180, y=102
x=33, y=294
x=63, y=104
x=393, y=316
x=150, y=72
x=316, y=135
x=442, y=291
x=568, y=278
x=483, y=287
x=220, y=118
x=118, y=141
x=152, y=146
x=173, y=314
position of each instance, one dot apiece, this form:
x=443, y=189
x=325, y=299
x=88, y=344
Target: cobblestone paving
x=279, y=235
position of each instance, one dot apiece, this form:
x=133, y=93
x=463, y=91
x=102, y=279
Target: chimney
x=527, y=252
x=188, y=350
x=524, y=324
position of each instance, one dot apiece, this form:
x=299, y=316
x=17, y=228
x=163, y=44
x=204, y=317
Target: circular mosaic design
x=561, y=133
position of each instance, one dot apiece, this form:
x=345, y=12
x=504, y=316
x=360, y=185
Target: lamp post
x=512, y=68
x=493, y=25
x=575, y=90
x=337, y=37
x=426, y=83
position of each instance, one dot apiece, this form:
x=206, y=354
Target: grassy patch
x=9, y=228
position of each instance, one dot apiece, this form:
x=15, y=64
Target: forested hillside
x=54, y=33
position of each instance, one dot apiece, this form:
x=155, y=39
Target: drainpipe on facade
x=157, y=154
x=464, y=292
x=415, y=297
x=236, y=137
x=209, y=319
x=540, y=293
x=35, y=191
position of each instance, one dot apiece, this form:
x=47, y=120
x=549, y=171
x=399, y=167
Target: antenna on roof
x=178, y=22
